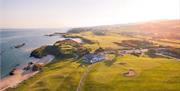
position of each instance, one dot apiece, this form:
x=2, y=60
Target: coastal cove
x=12, y=57
x=20, y=74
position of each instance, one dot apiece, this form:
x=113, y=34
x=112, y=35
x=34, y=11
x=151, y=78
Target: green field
x=153, y=74
x=156, y=74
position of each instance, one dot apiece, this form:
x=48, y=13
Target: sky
x=80, y=13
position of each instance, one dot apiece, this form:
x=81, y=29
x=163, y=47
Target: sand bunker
x=130, y=73
x=122, y=63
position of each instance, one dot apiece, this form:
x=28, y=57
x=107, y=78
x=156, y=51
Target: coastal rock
x=20, y=45
x=37, y=67
x=44, y=51
x=12, y=72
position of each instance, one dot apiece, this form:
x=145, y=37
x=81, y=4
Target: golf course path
x=83, y=77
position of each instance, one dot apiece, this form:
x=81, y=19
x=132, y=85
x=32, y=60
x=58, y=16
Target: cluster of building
x=97, y=56
x=100, y=56
x=133, y=51
x=93, y=57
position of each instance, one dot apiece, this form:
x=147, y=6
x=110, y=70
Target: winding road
x=83, y=77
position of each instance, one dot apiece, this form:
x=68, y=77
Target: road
x=83, y=77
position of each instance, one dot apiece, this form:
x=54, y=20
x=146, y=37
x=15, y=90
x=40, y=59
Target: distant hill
x=160, y=26
x=162, y=29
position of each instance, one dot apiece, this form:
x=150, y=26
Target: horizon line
x=130, y=23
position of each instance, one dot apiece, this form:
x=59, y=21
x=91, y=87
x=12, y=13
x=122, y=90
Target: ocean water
x=11, y=57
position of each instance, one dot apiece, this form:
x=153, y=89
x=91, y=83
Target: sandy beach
x=20, y=74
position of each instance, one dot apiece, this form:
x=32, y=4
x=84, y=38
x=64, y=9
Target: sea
x=10, y=57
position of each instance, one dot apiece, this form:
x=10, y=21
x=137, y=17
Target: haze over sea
x=33, y=38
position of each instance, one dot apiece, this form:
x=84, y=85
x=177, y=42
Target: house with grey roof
x=93, y=57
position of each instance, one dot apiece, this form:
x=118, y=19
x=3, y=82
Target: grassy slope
x=61, y=75
x=153, y=74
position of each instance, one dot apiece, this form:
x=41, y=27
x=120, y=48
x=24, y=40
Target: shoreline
x=20, y=74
